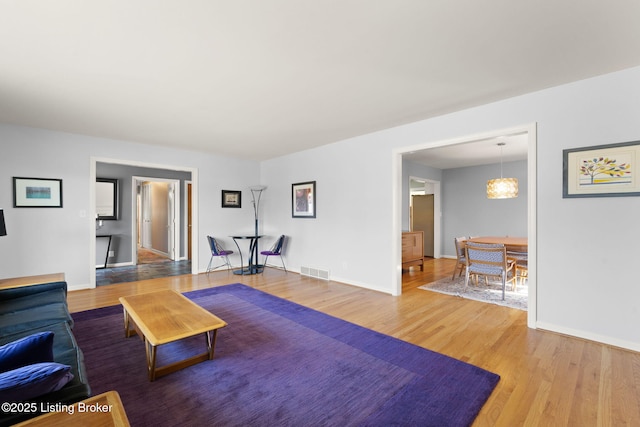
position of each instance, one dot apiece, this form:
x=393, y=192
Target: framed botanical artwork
x=231, y=199
x=303, y=200
x=37, y=193
x=601, y=171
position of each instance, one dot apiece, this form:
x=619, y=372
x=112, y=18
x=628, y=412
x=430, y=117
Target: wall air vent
x=315, y=272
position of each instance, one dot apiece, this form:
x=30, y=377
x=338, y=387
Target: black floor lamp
x=256, y=194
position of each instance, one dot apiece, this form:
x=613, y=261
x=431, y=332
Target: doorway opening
x=158, y=215
x=424, y=213
x=179, y=216
x=528, y=132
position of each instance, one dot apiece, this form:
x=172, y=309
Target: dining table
x=513, y=244
x=253, y=267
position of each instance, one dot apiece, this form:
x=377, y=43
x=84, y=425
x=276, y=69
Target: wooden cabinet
x=412, y=249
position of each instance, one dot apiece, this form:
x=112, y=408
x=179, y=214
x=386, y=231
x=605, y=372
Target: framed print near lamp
x=231, y=199
x=303, y=200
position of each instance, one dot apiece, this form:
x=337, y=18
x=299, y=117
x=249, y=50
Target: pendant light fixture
x=502, y=188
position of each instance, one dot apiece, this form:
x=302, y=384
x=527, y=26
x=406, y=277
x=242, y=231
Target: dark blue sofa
x=25, y=310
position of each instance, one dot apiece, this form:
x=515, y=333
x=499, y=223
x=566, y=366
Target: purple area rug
x=279, y=363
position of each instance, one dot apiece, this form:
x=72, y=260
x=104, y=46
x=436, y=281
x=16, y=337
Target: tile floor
x=108, y=276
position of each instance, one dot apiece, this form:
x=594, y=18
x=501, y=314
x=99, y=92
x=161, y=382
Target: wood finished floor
x=547, y=379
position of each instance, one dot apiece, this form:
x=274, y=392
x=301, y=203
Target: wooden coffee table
x=165, y=316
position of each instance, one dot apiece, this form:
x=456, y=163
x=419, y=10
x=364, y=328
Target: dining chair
x=218, y=251
x=276, y=250
x=521, y=264
x=487, y=260
x=522, y=271
x=460, y=255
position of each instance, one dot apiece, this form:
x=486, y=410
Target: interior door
x=145, y=215
x=422, y=217
x=171, y=222
x=161, y=220
x=189, y=224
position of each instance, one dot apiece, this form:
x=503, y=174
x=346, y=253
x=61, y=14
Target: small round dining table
x=253, y=267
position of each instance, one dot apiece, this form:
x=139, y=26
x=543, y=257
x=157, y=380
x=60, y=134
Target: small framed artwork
x=37, y=193
x=303, y=199
x=231, y=199
x=601, y=171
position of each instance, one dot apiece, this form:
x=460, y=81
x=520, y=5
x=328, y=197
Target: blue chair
x=276, y=250
x=487, y=260
x=218, y=251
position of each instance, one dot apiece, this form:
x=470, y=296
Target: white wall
x=586, y=247
x=45, y=240
x=346, y=237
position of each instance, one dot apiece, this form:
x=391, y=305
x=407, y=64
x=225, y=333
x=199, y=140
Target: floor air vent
x=315, y=272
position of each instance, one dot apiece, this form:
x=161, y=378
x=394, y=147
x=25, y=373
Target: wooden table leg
x=151, y=359
x=211, y=342
x=126, y=323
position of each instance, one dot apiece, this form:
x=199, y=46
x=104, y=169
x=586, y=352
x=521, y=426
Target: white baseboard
x=78, y=287
x=629, y=345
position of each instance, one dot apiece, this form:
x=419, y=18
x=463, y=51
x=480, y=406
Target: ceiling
x=263, y=78
x=474, y=153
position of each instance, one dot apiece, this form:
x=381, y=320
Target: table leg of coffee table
x=211, y=342
x=126, y=324
x=151, y=359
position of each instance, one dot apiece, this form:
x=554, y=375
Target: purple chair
x=217, y=251
x=276, y=250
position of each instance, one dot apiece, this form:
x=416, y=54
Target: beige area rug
x=491, y=292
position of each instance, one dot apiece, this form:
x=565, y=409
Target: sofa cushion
x=36, y=317
x=31, y=349
x=32, y=381
x=55, y=295
x=66, y=352
x=24, y=311
x=22, y=291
